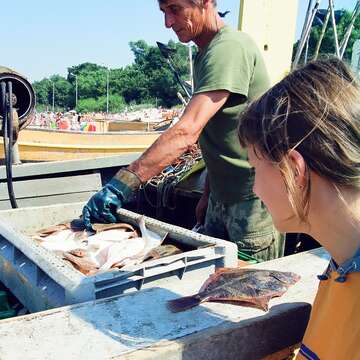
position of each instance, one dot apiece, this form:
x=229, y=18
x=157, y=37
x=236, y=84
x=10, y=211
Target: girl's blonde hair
x=315, y=110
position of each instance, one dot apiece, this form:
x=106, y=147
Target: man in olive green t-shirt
x=229, y=72
x=228, y=208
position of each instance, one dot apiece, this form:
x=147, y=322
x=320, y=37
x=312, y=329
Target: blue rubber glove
x=102, y=206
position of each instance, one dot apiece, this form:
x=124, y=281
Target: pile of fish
x=240, y=286
x=112, y=245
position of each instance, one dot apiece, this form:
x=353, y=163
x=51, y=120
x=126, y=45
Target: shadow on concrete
x=139, y=325
x=251, y=339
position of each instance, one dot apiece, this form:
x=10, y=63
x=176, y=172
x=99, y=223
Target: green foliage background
x=328, y=43
x=148, y=80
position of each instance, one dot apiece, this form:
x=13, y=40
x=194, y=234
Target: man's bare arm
x=176, y=140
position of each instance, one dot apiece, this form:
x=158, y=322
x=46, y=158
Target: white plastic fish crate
x=41, y=280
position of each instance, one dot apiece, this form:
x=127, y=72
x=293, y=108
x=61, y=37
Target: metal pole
x=346, y=38
x=306, y=34
x=76, y=91
x=337, y=49
x=322, y=34
x=107, y=91
x=53, y=97
x=191, y=69
x=306, y=50
x=184, y=102
x=307, y=16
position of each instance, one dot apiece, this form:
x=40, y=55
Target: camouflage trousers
x=248, y=224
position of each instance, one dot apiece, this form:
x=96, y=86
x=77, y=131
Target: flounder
x=248, y=287
x=112, y=245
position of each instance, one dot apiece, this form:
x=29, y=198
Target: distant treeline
x=343, y=19
x=148, y=80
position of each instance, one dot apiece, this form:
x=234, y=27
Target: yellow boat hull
x=54, y=145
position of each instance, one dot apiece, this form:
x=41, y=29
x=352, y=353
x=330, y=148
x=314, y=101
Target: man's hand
x=201, y=208
x=102, y=206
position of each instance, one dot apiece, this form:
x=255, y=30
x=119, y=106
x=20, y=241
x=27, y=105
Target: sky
x=40, y=38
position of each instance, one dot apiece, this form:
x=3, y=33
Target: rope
x=165, y=183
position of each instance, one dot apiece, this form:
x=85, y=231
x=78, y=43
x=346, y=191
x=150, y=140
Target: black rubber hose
x=8, y=139
x=4, y=116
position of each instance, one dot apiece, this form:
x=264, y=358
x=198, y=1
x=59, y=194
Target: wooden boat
x=103, y=125
x=54, y=145
x=130, y=126
x=134, y=125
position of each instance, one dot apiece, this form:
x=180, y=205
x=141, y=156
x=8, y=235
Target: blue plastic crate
x=41, y=280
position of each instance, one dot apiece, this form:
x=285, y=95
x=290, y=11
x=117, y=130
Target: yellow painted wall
x=272, y=24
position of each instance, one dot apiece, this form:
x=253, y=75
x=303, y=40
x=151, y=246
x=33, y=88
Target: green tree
x=159, y=80
x=134, y=85
x=148, y=80
x=328, y=43
x=41, y=89
x=116, y=103
x=91, y=79
x=88, y=105
x=44, y=91
x=62, y=92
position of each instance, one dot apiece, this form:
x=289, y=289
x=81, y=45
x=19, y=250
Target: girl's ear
x=299, y=167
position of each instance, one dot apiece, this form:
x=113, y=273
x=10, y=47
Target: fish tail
x=141, y=223
x=183, y=303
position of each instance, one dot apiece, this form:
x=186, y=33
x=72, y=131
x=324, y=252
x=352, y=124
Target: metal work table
x=139, y=326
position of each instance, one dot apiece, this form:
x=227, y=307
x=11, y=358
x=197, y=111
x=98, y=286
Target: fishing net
x=166, y=182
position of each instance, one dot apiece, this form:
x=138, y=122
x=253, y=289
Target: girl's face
x=269, y=186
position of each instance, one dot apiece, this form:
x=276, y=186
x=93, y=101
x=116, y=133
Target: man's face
x=184, y=18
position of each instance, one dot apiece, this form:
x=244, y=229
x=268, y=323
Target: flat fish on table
x=133, y=251
x=82, y=261
x=124, y=253
x=63, y=240
x=112, y=245
x=248, y=287
x=72, y=235
x=104, y=227
x=163, y=251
